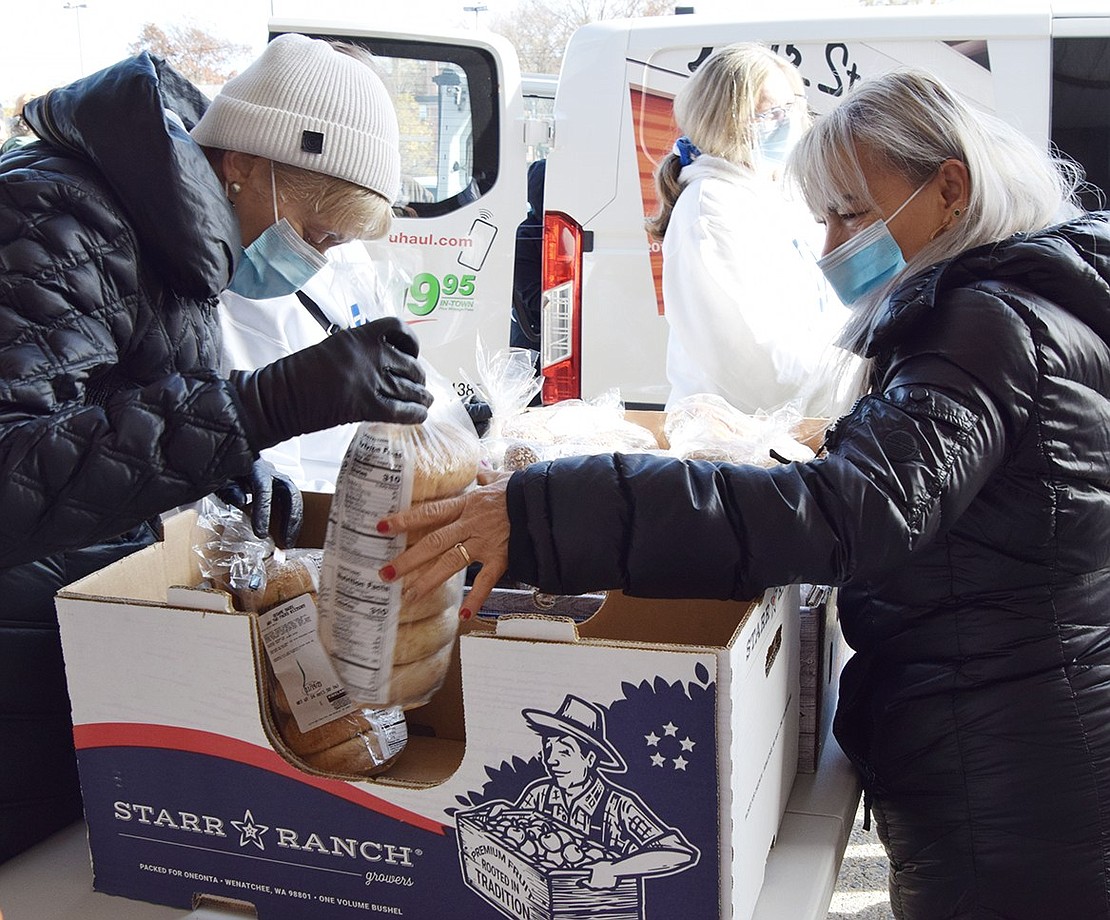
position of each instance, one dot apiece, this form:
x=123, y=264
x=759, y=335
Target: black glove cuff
x=258, y=425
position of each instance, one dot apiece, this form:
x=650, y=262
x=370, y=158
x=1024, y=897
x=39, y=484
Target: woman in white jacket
x=751, y=319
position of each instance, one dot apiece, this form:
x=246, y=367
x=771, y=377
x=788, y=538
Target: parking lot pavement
x=860, y=892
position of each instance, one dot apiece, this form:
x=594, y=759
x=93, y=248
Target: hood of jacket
x=118, y=121
x=1068, y=264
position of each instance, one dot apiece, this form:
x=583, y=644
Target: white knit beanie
x=305, y=104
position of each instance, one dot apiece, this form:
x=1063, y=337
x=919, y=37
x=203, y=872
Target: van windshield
x=447, y=99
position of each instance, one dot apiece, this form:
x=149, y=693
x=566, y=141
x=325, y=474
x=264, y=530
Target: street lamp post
x=77, y=7
x=475, y=10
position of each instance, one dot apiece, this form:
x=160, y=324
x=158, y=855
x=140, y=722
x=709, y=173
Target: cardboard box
x=682, y=716
x=823, y=653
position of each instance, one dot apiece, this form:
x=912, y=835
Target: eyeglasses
x=777, y=113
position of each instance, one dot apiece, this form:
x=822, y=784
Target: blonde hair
x=715, y=109
x=909, y=122
x=361, y=212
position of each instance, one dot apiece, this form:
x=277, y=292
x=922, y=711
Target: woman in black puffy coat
x=963, y=506
x=117, y=232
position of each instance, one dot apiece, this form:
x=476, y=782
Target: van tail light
x=561, y=306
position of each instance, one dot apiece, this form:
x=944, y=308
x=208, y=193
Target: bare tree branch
x=198, y=55
x=540, y=29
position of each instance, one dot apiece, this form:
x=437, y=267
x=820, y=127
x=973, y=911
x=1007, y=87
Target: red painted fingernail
x=383, y=527
x=465, y=614
x=387, y=572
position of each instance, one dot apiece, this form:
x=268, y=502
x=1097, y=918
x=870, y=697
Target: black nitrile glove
x=365, y=374
x=480, y=414
x=271, y=498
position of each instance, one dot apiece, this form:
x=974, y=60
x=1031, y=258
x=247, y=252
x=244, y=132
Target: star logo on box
x=659, y=758
x=249, y=831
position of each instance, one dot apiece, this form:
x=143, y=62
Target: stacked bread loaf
x=703, y=426
x=569, y=428
x=308, y=706
x=392, y=651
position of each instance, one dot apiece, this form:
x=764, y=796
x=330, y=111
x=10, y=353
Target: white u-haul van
x=467, y=140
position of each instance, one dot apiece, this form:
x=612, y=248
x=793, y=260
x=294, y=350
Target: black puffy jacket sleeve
x=904, y=464
x=111, y=408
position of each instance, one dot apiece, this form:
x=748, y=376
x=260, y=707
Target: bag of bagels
x=307, y=704
x=387, y=651
x=704, y=426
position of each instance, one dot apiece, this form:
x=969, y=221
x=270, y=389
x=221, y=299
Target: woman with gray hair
x=962, y=506
x=935, y=140
x=749, y=317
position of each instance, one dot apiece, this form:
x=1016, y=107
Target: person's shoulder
x=719, y=181
x=45, y=187
x=353, y=251
x=719, y=204
x=263, y=318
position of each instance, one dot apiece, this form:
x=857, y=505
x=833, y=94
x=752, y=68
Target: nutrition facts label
x=358, y=612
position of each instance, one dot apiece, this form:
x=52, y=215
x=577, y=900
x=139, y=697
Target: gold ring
x=465, y=554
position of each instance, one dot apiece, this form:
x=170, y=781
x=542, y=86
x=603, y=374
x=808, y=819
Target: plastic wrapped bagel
x=393, y=652
x=571, y=428
x=319, y=725
x=703, y=426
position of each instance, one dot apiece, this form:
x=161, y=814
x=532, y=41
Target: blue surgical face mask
x=775, y=139
x=865, y=261
x=279, y=262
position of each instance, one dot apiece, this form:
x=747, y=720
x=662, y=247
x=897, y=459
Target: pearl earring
x=236, y=188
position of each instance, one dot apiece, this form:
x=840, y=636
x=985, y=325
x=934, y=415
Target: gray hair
x=910, y=122
x=715, y=109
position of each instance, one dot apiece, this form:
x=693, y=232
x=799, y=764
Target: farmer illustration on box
x=579, y=794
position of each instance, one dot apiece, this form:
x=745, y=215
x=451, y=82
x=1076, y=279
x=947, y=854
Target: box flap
x=199, y=598
x=704, y=623
x=528, y=626
x=144, y=575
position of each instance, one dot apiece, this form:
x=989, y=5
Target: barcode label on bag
x=314, y=691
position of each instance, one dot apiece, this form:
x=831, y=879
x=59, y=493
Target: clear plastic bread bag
x=319, y=723
x=390, y=652
x=575, y=427
x=507, y=383
x=704, y=426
